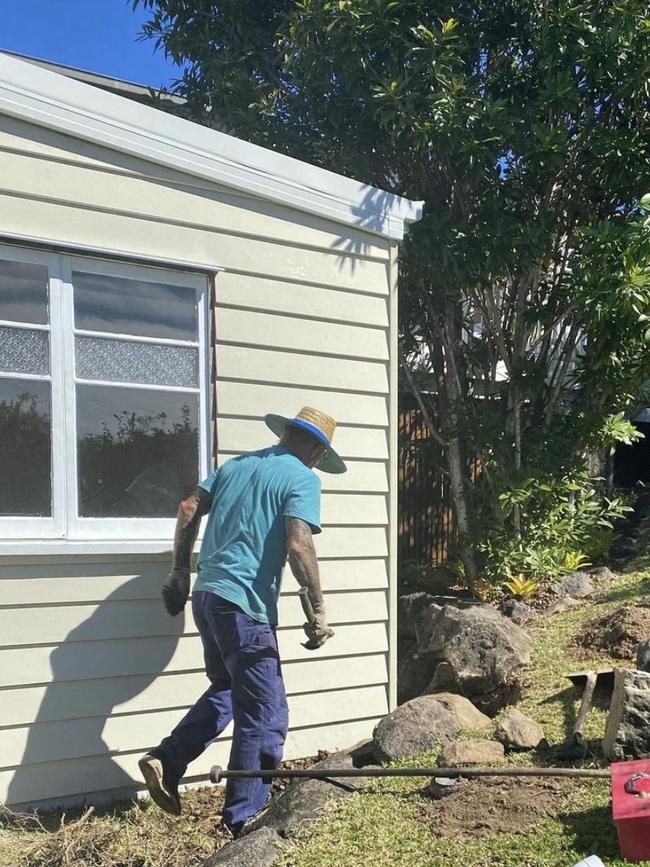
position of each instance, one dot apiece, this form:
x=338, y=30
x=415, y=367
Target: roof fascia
x=47, y=99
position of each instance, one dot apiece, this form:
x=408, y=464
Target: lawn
x=392, y=822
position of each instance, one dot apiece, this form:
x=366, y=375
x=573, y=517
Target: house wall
x=92, y=671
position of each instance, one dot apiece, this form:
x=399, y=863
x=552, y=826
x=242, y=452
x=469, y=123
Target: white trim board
x=50, y=100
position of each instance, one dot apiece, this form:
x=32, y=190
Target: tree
x=524, y=127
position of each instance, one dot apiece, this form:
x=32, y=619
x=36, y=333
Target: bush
x=566, y=523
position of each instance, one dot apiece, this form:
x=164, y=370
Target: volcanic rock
x=577, y=585
x=627, y=732
x=474, y=651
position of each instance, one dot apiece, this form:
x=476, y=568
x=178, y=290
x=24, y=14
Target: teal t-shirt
x=244, y=547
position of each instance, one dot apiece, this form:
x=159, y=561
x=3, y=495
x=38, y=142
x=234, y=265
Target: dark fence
x=426, y=522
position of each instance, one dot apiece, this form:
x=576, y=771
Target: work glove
x=175, y=590
x=316, y=629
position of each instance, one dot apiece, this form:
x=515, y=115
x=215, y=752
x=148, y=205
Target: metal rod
x=218, y=774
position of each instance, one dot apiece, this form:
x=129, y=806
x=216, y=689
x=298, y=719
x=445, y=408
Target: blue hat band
x=320, y=436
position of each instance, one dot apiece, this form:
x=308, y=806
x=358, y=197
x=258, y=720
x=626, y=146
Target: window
x=103, y=417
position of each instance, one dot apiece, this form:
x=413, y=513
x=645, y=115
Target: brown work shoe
x=161, y=781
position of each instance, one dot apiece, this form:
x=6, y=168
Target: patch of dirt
x=279, y=786
x=494, y=806
x=617, y=634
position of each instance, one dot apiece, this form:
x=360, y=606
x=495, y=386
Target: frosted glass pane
x=128, y=361
x=124, y=306
x=24, y=351
x=25, y=448
x=138, y=451
x=23, y=292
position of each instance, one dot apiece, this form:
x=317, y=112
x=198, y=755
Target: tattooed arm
x=188, y=521
x=302, y=558
x=304, y=565
x=177, y=587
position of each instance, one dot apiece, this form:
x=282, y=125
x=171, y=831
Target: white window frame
x=65, y=523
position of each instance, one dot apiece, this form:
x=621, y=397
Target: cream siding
x=92, y=671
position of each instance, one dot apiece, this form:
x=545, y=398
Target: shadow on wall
x=65, y=756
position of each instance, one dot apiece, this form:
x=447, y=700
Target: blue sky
x=98, y=35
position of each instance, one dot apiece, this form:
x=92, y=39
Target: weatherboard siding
x=131, y=185
x=92, y=671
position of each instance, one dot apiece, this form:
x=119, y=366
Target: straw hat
x=319, y=425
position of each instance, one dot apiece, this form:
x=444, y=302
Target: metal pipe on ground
x=218, y=774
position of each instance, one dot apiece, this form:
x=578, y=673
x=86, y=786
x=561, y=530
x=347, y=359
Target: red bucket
x=631, y=808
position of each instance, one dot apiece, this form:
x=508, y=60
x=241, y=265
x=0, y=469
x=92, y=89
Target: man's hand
x=317, y=629
x=175, y=590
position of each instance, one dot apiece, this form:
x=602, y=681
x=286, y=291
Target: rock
x=474, y=651
x=257, y=849
x=516, y=731
x=643, y=655
x=408, y=608
x=459, y=753
x=602, y=574
x=440, y=787
x=627, y=732
x=517, y=611
x=303, y=799
x=413, y=672
x=422, y=723
x=577, y=585
x=564, y=603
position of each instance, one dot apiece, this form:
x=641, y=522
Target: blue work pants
x=243, y=666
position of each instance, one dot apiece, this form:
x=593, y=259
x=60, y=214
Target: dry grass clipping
x=138, y=836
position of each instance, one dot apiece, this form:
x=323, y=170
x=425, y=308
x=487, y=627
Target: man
x=263, y=508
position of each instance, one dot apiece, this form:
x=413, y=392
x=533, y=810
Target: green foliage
x=565, y=522
x=525, y=290
x=575, y=560
x=614, y=430
x=522, y=587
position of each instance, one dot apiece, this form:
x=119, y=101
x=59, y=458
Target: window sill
x=29, y=548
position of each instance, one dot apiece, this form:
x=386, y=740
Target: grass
x=384, y=826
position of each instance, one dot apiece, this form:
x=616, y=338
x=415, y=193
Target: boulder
x=413, y=672
x=602, y=574
x=474, y=651
x=408, y=608
x=422, y=723
x=643, y=655
x=627, y=732
x=303, y=799
x=564, y=603
x=517, y=611
x=258, y=849
x=516, y=731
x=577, y=585
x=459, y=753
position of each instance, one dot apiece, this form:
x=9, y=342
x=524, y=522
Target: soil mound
x=617, y=634
x=497, y=806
